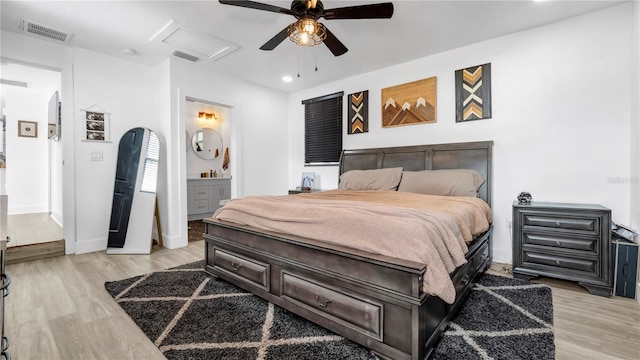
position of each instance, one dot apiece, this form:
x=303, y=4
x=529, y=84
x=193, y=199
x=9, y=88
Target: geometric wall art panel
x=473, y=93
x=358, y=113
x=410, y=103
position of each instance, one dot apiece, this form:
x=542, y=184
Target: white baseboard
x=174, y=242
x=87, y=246
x=57, y=218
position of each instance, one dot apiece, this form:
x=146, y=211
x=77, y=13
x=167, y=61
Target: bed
x=375, y=300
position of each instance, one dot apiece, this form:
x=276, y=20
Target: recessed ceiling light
x=130, y=52
x=287, y=78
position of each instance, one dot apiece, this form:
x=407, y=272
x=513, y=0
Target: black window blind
x=323, y=129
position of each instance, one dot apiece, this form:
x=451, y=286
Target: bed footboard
x=373, y=300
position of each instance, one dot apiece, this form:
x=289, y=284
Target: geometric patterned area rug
x=503, y=318
x=189, y=315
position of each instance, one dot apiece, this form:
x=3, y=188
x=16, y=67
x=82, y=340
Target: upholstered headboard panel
x=472, y=155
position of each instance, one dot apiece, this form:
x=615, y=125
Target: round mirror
x=207, y=144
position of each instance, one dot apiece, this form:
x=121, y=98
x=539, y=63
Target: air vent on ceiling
x=195, y=45
x=14, y=83
x=185, y=56
x=40, y=30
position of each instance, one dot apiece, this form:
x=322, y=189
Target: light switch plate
x=96, y=156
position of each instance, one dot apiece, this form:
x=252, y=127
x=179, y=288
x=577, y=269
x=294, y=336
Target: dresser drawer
x=348, y=309
x=201, y=192
x=463, y=277
x=587, y=225
x=589, y=245
x=566, y=241
x=200, y=206
x=242, y=267
x=583, y=265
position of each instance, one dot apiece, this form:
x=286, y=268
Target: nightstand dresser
x=564, y=241
x=299, y=190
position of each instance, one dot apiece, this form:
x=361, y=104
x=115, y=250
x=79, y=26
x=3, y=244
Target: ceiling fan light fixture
x=307, y=32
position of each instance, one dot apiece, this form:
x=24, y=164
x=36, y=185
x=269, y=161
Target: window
x=323, y=129
x=150, y=173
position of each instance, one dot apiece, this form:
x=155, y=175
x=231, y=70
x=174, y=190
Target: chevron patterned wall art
x=410, y=103
x=358, y=112
x=473, y=93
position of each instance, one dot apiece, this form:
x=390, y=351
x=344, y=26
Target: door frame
x=69, y=216
x=235, y=154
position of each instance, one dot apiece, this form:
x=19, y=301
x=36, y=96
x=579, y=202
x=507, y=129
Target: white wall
x=29, y=51
x=195, y=164
x=561, y=105
x=56, y=172
x=635, y=123
x=136, y=95
x=27, y=158
x=127, y=91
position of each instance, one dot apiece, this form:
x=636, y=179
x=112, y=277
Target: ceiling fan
x=307, y=31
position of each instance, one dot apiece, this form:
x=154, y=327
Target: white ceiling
x=417, y=29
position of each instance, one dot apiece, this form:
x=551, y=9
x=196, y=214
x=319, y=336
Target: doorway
x=209, y=169
x=31, y=173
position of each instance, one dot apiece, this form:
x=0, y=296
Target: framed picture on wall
x=96, y=125
x=27, y=128
x=473, y=93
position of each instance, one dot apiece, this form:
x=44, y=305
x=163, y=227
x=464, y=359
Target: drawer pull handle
x=235, y=266
x=557, y=242
x=465, y=280
x=6, y=281
x=322, y=304
x=558, y=262
x=558, y=223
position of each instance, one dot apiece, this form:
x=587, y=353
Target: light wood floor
x=28, y=229
x=58, y=309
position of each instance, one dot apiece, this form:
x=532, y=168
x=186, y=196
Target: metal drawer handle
x=235, y=266
x=6, y=281
x=558, y=262
x=322, y=304
x=558, y=223
x=465, y=280
x=558, y=242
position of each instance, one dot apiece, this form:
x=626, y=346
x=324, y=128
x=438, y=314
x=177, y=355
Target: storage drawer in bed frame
x=371, y=304
x=346, y=307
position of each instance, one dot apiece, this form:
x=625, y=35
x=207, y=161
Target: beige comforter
x=428, y=229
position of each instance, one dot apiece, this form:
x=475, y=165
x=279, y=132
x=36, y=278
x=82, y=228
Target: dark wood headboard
x=471, y=155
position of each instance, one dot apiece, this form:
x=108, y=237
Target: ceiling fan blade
x=257, y=6
x=276, y=40
x=371, y=11
x=335, y=45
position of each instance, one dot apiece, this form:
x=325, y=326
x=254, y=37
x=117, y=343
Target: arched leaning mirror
x=207, y=144
x=134, y=194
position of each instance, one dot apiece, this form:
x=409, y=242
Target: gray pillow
x=449, y=182
x=377, y=179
